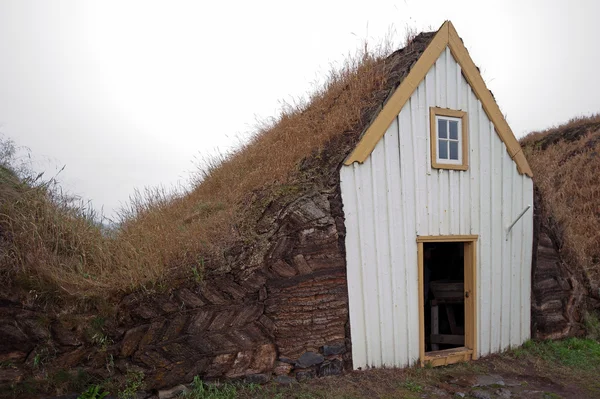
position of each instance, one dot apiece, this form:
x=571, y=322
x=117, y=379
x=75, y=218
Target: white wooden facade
x=395, y=196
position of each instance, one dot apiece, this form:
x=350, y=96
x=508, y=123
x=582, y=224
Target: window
x=449, y=139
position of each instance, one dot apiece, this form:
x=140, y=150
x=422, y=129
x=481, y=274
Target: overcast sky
x=125, y=93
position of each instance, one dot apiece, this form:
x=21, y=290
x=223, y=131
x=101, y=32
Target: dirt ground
x=548, y=370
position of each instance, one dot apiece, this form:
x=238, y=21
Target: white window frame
x=458, y=140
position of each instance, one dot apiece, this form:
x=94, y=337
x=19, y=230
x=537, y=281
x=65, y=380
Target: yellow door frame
x=469, y=351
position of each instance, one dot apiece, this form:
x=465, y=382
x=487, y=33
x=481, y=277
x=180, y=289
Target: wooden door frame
x=469, y=351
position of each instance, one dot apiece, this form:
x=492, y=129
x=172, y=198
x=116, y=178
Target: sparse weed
x=412, y=386
x=592, y=325
x=201, y=390
x=134, y=382
x=94, y=392
x=197, y=271
x=37, y=361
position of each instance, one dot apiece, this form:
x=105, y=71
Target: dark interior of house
x=443, y=279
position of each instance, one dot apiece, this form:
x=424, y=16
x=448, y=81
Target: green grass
x=134, y=382
x=412, y=386
x=577, y=353
x=592, y=325
x=201, y=390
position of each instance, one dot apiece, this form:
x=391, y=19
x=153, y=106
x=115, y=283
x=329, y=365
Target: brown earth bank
x=566, y=262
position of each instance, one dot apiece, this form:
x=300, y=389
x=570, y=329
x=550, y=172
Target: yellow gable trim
x=445, y=36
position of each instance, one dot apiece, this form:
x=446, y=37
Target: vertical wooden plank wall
x=395, y=195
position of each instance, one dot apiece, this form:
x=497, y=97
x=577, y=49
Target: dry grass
x=53, y=244
x=565, y=162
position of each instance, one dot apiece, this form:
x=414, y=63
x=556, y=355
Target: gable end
x=445, y=37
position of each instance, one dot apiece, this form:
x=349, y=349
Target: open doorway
x=447, y=298
x=443, y=279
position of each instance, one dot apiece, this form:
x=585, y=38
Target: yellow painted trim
x=475, y=313
x=448, y=238
x=471, y=302
x=445, y=36
x=420, y=257
x=435, y=111
x=446, y=357
x=442, y=358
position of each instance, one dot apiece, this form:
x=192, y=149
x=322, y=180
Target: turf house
x=388, y=222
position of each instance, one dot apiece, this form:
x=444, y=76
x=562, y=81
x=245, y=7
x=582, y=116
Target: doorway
x=447, y=296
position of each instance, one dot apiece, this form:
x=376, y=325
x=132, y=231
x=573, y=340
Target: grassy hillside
x=566, y=165
x=53, y=244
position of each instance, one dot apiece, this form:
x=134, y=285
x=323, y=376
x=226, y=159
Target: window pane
x=443, y=150
x=454, y=130
x=454, y=150
x=442, y=129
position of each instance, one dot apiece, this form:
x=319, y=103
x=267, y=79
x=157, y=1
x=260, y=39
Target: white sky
x=125, y=93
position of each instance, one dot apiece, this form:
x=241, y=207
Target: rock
x=331, y=367
x=285, y=380
x=309, y=359
x=169, y=307
x=220, y=365
x=304, y=375
x=460, y=395
x=512, y=383
x=257, y=379
x=503, y=393
x=145, y=311
x=264, y=358
x=283, y=269
x=437, y=392
x=262, y=294
x=267, y=323
x=335, y=349
x=287, y=360
x=36, y=329
x=10, y=375
x=12, y=338
x=479, y=394
x=64, y=335
x=173, y=392
x=189, y=299
x=16, y=356
x=464, y=381
x=71, y=359
x=131, y=340
x=200, y=320
x=447, y=387
x=282, y=368
x=487, y=380
x=301, y=264
x=240, y=364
